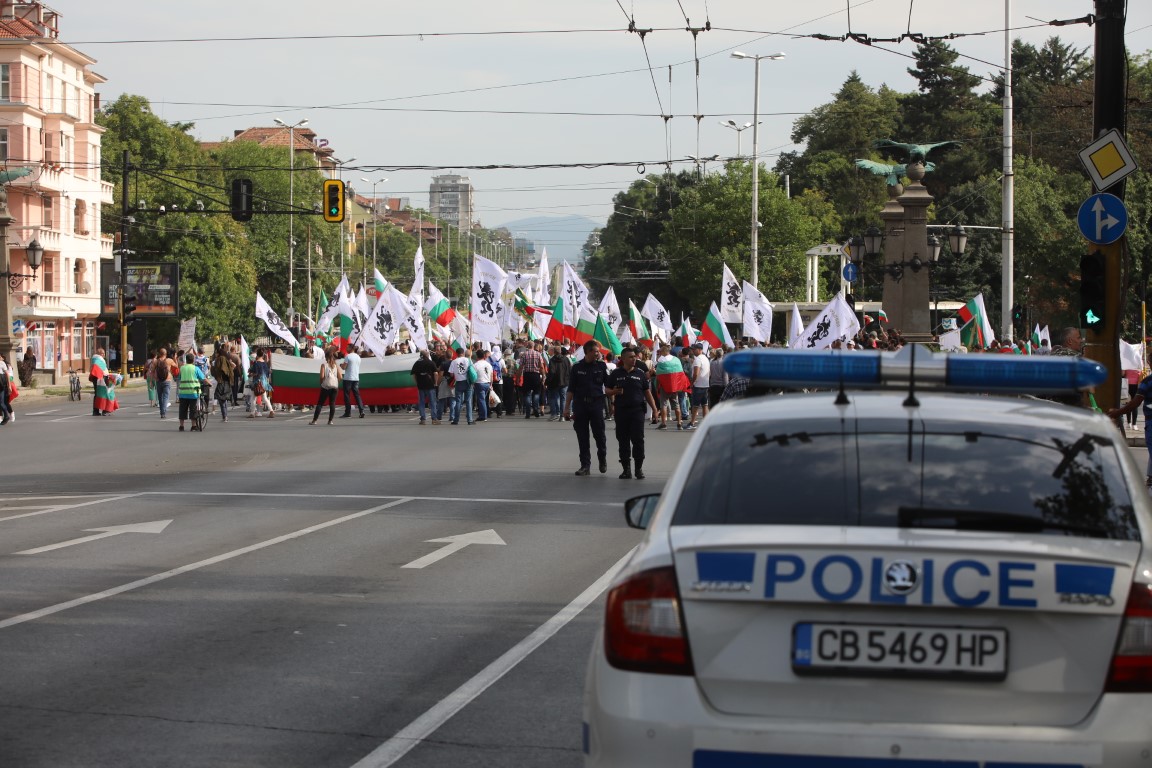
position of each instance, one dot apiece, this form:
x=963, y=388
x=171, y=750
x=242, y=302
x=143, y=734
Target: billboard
x=156, y=286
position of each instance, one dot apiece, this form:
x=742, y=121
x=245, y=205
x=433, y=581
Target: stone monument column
x=911, y=311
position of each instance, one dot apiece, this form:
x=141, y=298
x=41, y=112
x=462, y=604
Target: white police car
x=886, y=578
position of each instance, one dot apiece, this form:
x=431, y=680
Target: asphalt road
x=257, y=610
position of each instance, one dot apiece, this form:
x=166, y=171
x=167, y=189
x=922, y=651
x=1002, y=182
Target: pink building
x=47, y=124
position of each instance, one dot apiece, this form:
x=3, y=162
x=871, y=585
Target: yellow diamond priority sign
x=1107, y=160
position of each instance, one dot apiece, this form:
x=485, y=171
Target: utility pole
x=1109, y=112
x=124, y=222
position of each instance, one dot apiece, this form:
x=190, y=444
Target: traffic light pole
x=1109, y=112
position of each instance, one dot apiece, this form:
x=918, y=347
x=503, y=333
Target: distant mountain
x=563, y=236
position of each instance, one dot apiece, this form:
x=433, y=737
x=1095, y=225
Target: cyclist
x=189, y=388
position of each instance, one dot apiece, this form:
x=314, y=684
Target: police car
x=897, y=571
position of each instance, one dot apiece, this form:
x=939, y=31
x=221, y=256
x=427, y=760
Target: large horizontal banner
x=383, y=380
x=156, y=286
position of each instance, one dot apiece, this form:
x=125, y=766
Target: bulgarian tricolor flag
x=670, y=374
x=883, y=316
x=606, y=336
x=714, y=331
x=438, y=308
x=637, y=327
x=557, y=330
x=975, y=331
x=585, y=326
x=685, y=334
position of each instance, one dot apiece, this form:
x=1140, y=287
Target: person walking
x=150, y=379
x=717, y=377
x=1142, y=397
x=164, y=370
x=462, y=384
x=6, y=375
x=559, y=375
x=483, y=385
x=351, y=369
x=223, y=372
x=700, y=376
x=27, y=367
x=629, y=385
x=585, y=404
x=427, y=376
x=532, y=369
x=260, y=381
x=188, y=389
x=329, y=383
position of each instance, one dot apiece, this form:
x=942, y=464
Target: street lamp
x=34, y=254
x=375, y=216
x=291, y=206
x=739, y=130
x=756, y=158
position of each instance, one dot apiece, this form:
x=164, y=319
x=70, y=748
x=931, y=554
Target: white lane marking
x=156, y=526
x=455, y=544
x=41, y=413
x=36, y=498
x=371, y=496
x=66, y=507
x=67, y=418
x=59, y=607
x=424, y=726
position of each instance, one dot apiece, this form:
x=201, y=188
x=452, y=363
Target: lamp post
x=739, y=130
x=756, y=159
x=375, y=216
x=291, y=207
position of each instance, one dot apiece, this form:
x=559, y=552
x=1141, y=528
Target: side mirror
x=639, y=509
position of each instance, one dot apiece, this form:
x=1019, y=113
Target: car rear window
x=908, y=474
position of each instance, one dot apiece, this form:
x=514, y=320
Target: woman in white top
x=329, y=383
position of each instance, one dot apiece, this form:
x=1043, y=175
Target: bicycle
x=203, y=406
x=74, y=392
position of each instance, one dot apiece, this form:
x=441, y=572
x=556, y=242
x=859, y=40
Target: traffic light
x=1093, y=293
x=333, y=200
x=241, y=201
x=129, y=308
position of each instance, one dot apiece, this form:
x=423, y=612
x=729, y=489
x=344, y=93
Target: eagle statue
x=917, y=153
x=891, y=173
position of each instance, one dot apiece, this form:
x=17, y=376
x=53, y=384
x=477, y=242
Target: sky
x=531, y=82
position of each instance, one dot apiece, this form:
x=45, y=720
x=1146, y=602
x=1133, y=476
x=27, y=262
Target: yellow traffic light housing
x=333, y=201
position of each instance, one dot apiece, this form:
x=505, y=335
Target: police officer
x=631, y=387
x=585, y=403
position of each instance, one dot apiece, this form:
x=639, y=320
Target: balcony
x=106, y=190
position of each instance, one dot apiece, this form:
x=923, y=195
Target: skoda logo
x=901, y=577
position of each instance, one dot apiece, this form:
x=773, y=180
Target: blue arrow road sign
x=1102, y=218
x=851, y=272
x=17, y=326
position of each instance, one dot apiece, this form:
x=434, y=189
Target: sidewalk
x=60, y=391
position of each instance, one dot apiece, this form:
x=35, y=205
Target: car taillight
x=643, y=631
x=1131, y=670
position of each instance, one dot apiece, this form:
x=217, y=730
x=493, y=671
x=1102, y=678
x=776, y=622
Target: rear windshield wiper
x=985, y=520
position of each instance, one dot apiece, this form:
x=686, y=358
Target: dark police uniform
x=587, y=391
x=630, y=407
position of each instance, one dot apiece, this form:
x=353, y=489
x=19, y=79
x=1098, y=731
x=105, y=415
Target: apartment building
x=450, y=198
x=48, y=104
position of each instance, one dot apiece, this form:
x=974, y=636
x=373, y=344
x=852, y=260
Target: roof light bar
x=958, y=373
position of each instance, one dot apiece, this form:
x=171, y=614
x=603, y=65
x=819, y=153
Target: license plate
x=886, y=649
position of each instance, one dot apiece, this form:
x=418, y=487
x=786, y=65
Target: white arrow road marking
x=41, y=413
x=65, y=507
x=113, y=530
x=1103, y=220
x=455, y=544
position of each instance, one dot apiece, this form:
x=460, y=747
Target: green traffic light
x=1091, y=318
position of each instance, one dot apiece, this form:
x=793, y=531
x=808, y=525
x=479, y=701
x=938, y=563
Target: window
x=49, y=272
x=47, y=203
x=887, y=474
x=80, y=224
x=5, y=82
x=77, y=340
x=4, y=144
x=49, y=360
x=89, y=339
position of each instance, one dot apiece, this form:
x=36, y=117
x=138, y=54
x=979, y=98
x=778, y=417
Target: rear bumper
x=639, y=720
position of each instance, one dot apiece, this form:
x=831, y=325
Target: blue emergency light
x=915, y=367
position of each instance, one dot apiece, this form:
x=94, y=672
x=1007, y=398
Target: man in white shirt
x=351, y=366
x=483, y=384
x=701, y=370
x=462, y=388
